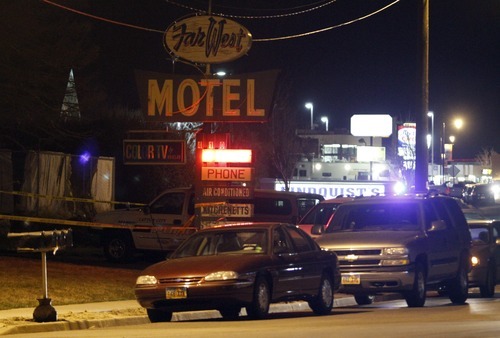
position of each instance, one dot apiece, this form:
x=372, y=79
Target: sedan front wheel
x=322, y=303
x=261, y=299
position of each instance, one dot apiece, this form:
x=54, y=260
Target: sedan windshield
x=480, y=235
x=223, y=242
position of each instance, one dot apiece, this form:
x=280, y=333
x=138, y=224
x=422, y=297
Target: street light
x=309, y=105
x=431, y=143
x=458, y=124
x=324, y=119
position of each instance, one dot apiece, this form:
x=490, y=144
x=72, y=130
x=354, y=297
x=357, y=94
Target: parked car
x=481, y=194
x=165, y=222
x=449, y=188
x=400, y=244
x=485, y=256
x=466, y=193
x=229, y=267
x=321, y=213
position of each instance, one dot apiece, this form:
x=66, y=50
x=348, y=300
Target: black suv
x=400, y=244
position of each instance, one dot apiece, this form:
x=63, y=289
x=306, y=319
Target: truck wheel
x=416, y=297
x=118, y=247
x=364, y=299
x=487, y=290
x=459, y=286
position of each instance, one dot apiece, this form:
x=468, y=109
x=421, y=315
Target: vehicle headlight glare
x=474, y=260
x=146, y=280
x=221, y=275
x=395, y=251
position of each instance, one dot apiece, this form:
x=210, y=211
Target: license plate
x=176, y=293
x=350, y=279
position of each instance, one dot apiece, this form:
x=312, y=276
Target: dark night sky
x=370, y=66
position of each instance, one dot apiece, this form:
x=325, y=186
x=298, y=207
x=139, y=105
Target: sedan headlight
x=146, y=280
x=221, y=275
x=475, y=261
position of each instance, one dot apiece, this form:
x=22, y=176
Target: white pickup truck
x=160, y=226
x=166, y=221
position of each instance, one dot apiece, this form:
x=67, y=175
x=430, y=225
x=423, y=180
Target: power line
x=326, y=28
x=226, y=15
x=294, y=36
x=101, y=18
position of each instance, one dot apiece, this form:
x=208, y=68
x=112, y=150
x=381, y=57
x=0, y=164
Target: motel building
x=339, y=163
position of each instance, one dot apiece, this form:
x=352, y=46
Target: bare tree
x=484, y=156
x=276, y=146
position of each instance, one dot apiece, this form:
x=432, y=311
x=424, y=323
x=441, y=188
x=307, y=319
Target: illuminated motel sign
x=226, y=155
x=220, y=181
x=179, y=98
x=207, y=39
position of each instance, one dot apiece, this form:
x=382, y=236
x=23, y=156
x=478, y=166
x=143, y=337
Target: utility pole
x=422, y=165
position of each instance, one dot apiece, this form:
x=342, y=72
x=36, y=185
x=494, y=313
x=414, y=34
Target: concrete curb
x=73, y=325
x=64, y=325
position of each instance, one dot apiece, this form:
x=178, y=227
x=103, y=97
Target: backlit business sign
x=333, y=189
x=226, y=155
x=184, y=98
x=207, y=39
x=407, y=135
x=147, y=152
x=376, y=125
x=226, y=210
x=370, y=154
x=230, y=174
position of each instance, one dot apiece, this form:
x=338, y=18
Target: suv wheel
x=416, y=297
x=459, y=286
x=487, y=290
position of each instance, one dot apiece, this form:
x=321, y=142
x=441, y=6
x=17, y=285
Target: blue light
x=85, y=157
x=399, y=188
